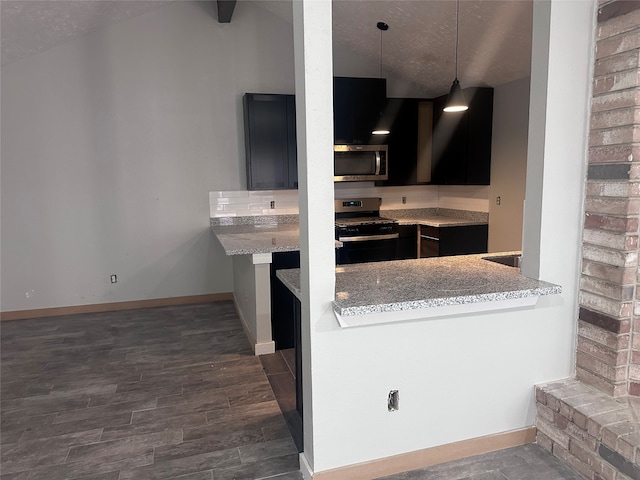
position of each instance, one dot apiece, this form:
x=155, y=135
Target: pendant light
x=381, y=129
x=456, y=101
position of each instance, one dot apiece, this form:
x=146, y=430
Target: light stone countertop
x=267, y=238
x=285, y=237
x=439, y=221
x=365, y=292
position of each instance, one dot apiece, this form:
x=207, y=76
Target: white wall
x=508, y=164
x=110, y=145
x=473, y=375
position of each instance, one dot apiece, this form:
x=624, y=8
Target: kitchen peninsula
x=401, y=290
x=385, y=292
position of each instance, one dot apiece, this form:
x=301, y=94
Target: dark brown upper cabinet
x=462, y=140
x=270, y=141
x=357, y=107
x=410, y=121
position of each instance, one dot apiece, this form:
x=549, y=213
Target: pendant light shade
x=456, y=101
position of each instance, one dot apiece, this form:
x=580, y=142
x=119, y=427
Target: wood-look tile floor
x=169, y=393
x=157, y=393
x=526, y=462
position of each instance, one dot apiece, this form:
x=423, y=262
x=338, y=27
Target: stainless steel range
x=366, y=236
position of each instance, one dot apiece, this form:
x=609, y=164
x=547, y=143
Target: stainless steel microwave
x=355, y=163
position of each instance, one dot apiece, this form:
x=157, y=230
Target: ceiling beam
x=225, y=10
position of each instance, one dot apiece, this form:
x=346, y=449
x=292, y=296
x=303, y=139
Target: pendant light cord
x=383, y=27
x=457, y=25
x=380, y=53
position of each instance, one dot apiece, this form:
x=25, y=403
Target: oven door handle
x=368, y=238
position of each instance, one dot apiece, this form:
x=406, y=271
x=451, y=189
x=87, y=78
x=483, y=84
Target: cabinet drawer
x=430, y=232
x=429, y=241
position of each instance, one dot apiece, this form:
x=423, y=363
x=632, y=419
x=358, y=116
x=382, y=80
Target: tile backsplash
x=244, y=203
x=240, y=203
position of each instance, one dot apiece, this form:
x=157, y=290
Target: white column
x=314, y=123
x=561, y=64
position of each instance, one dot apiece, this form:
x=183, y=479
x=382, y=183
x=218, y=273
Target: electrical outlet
x=498, y=200
x=393, y=401
x=404, y=199
x=273, y=204
x=114, y=278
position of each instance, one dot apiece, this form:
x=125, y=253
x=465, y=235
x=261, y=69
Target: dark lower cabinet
x=270, y=141
x=282, y=319
x=286, y=321
x=429, y=241
x=408, y=242
x=459, y=240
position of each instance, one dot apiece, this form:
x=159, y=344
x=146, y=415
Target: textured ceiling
x=494, y=38
x=31, y=26
x=495, y=35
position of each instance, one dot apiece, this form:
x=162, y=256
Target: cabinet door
x=449, y=145
x=408, y=244
x=429, y=242
x=342, y=110
x=463, y=240
x=410, y=122
x=292, y=144
x=369, y=95
x=400, y=116
x=462, y=140
x=282, y=315
x=269, y=141
x=480, y=128
x=357, y=106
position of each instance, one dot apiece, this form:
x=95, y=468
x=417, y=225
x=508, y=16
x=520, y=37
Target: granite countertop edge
x=505, y=284
x=446, y=301
x=252, y=251
x=439, y=222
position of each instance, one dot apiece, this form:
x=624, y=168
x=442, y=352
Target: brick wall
x=593, y=433
x=608, y=355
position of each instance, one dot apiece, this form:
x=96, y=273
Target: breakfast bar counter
x=370, y=293
x=259, y=238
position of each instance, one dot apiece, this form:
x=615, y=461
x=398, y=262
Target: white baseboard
x=427, y=457
x=264, y=348
x=307, y=473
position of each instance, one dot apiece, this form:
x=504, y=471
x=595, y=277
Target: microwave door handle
x=377, y=162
